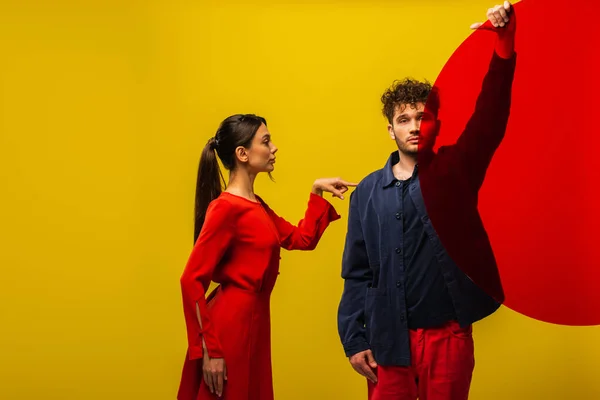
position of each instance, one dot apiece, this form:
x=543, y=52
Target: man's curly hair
x=408, y=92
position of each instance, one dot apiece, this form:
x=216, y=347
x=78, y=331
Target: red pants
x=442, y=365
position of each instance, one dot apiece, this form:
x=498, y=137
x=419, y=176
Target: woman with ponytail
x=237, y=245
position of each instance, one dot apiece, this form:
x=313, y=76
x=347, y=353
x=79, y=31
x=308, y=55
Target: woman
x=238, y=240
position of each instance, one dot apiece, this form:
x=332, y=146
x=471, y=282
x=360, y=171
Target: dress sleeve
x=305, y=236
x=214, y=239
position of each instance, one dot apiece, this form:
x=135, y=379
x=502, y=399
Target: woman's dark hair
x=236, y=130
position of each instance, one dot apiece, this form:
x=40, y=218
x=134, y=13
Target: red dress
x=239, y=248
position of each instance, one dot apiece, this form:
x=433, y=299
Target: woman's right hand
x=214, y=371
x=335, y=186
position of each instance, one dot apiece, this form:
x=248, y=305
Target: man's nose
x=415, y=128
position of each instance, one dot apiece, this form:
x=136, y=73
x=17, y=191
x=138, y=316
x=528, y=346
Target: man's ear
x=390, y=128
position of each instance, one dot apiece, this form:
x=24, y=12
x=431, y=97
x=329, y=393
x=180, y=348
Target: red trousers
x=442, y=365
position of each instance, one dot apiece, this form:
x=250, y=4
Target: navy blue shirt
x=427, y=299
x=381, y=284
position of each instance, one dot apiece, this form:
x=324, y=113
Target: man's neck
x=404, y=168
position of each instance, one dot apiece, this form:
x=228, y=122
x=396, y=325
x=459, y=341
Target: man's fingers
x=371, y=366
x=225, y=371
x=363, y=368
x=371, y=360
x=368, y=372
x=360, y=367
x=490, y=16
x=498, y=15
x=495, y=18
x=503, y=14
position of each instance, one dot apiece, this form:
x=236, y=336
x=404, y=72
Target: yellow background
x=104, y=109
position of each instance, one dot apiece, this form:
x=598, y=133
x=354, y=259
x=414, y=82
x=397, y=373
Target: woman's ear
x=241, y=153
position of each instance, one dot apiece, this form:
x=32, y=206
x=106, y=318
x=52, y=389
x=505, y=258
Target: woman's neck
x=241, y=184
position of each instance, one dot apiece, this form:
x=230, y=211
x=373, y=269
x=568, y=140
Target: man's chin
x=411, y=149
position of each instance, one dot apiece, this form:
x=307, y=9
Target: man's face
x=407, y=131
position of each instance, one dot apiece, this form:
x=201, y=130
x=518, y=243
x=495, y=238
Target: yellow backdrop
x=104, y=108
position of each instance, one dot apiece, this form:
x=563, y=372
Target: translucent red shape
x=539, y=203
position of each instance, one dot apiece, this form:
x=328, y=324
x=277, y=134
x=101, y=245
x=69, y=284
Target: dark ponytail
x=209, y=184
x=237, y=130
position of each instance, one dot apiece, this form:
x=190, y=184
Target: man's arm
x=357, y=275
x=486, y=127
x=351, y=313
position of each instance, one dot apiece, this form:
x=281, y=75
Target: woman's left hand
x=336, y=186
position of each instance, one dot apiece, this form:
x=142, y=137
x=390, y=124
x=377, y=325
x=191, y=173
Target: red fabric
x=442, y=367
x=239, y=248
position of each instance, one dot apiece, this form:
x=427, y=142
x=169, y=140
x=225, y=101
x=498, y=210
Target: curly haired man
x=410, y=298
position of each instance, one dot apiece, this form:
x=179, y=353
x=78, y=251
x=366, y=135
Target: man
x=412, y=292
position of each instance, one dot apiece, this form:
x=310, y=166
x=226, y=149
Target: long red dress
x=239, y=248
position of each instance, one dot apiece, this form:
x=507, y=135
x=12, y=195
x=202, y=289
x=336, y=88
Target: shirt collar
x=388, y=173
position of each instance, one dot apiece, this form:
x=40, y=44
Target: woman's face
x=260, y=156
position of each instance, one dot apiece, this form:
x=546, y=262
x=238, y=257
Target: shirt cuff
x=355, y=346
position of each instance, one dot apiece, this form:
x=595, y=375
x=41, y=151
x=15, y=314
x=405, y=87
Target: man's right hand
x=365, y=364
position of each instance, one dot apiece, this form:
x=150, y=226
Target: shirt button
x=398, y=284
x=398, y=216
x=398, y=184
x=398, y=250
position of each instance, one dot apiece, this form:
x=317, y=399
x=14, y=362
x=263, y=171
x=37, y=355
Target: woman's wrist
x=317, y=190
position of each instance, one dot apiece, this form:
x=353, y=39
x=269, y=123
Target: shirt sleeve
x=356, y=274
x=486, y=127
x=212, y=243
x=307, y=233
